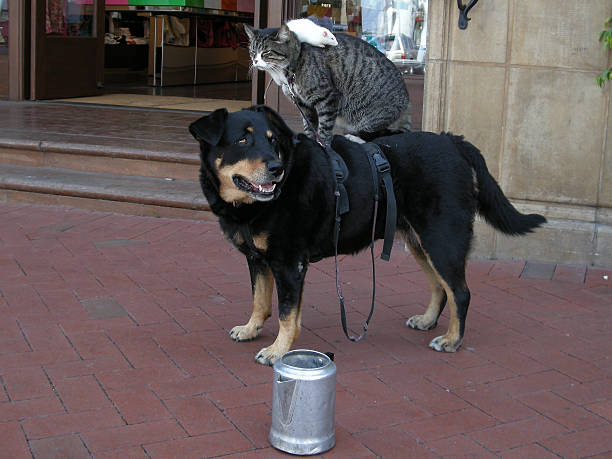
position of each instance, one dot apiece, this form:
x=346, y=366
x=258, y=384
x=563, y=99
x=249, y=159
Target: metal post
x=195, y=65
x=154, y=51
x=163, y=34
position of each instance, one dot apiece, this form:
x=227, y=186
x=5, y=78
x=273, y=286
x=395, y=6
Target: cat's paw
x=287, y=91
x=354, y=138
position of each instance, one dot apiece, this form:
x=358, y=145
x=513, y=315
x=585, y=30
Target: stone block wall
x=519, y=83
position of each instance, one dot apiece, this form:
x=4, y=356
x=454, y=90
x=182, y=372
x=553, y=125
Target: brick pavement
x=114, y=343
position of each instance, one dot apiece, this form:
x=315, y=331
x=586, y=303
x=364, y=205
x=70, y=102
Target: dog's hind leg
x=289, y=284
x=450, y=273
x=262, y=285
x=458, y=303
x=442, y=254
x=437, y=300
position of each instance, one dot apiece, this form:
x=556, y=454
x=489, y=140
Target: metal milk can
x=303, y=403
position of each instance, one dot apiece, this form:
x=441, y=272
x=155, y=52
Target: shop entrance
x=173, y=54
x=67, y=45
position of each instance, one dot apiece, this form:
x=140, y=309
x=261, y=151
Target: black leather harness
x=381, y=172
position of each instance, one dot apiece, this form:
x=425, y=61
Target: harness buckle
x=338, y=172
x=382, y=165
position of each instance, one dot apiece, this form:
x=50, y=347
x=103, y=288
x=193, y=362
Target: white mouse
x=311, y=33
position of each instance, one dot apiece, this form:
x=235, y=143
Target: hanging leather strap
x=383, y=170
x=341, y=173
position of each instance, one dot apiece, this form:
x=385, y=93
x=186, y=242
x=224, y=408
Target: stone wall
x=519, y=83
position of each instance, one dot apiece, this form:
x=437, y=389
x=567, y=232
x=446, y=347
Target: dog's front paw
x=246, y=332
x=268, y=355
x=444, y=344
x=420, y=322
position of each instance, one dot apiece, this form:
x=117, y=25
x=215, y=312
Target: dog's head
x=245, y=154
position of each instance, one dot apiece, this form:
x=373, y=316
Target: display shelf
x=168, y=3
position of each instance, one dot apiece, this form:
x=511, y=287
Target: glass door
x=68, y=48
x=4, y=55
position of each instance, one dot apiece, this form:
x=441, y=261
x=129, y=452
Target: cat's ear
x=275, y=121
x=250, y=31
x=283, y=34
x=209, y=129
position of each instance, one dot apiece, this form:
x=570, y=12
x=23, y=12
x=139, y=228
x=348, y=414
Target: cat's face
x=271, y=49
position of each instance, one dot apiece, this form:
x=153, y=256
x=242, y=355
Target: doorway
x=66, y=48
x=175, y=57
x=171, y=54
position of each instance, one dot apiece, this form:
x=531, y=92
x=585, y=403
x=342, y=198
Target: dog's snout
x=275, y=168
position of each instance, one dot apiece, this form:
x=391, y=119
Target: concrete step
x=101, y=158
x=146, y=160
x=137, y=195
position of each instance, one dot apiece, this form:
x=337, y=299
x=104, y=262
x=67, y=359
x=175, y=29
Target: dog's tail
x=492, y=203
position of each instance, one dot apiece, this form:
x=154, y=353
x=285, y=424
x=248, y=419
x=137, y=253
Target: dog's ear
x=250, y=31
x=283, y=34
x=275, y=120
x=209, y=129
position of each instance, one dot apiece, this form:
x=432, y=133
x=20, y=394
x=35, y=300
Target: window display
x=69, y=18
x=4, y=50
x=4, y=24
x=396, y=27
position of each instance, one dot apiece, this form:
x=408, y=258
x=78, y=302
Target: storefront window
x=4, y=27
x=4, y=50
x=70, y=18
x=396, y=27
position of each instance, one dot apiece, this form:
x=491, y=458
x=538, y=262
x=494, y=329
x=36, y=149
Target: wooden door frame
x=19, y=47
x=260, y=20
x=277, y=12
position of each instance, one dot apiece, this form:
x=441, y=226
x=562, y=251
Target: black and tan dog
x=273, y=192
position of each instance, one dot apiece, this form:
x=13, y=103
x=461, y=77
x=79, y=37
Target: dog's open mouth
x=261, y=192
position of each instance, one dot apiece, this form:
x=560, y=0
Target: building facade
x=518, y=82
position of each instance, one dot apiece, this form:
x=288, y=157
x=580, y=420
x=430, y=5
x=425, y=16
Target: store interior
x=173, y=57
x=193, y=54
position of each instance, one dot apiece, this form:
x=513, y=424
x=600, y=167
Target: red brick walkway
x=114, y=343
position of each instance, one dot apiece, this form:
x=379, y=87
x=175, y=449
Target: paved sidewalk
x=114, y=343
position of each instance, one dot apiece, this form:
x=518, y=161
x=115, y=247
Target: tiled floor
x=138, y=83
x=114, y=343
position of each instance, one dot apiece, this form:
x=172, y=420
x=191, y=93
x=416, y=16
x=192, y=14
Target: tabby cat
x=352, y=85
